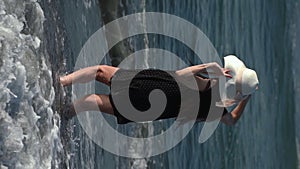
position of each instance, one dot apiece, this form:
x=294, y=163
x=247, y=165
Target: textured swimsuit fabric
x=146, y=81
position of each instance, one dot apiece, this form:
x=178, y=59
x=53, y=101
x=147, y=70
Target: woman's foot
x=64, y=80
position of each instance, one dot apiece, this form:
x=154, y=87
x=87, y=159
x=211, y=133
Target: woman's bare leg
x=101, y=73
x=91, y=102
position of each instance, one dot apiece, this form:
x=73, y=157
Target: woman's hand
x=234, y=116
x=215, y=69
x=212, y=68
x=226, y=73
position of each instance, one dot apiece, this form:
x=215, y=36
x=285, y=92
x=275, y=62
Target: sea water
x=28, y=125
x=41, y=40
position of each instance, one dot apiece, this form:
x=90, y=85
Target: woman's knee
x=103, y=103
x=97, y=99
x=94, y=100
x=89, y=102
x=104, y=73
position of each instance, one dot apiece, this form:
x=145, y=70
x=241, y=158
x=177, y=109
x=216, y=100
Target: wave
x=28, y=126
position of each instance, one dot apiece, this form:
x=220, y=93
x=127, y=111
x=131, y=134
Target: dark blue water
x=264, y=34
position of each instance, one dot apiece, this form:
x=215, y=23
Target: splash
x=28, y=127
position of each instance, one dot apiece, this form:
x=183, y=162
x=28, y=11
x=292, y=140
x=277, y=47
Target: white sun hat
x=244, y=81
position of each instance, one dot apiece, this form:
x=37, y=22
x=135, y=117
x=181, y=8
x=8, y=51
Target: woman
x=241, y=83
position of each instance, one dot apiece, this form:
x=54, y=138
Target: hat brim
x=243, y=79
x=234, y=64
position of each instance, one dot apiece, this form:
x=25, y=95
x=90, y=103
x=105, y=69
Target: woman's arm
x=234, y=116
x=184, y=75
x=213, y=68
x=192, y=70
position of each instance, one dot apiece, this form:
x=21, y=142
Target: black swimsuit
x=147, y=80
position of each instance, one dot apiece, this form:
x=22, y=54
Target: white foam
x=28, y=127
